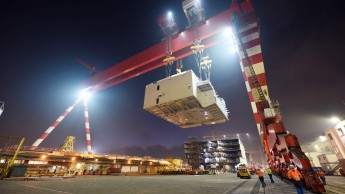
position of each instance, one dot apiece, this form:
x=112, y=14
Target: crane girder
x=152, y=58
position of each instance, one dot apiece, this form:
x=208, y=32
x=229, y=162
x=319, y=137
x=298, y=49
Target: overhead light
x=167, y=24
x=85, y=94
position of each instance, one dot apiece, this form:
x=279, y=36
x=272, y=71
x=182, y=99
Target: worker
x=269, y=172
x=321, y=175
x=295, y=176
x=261, y=177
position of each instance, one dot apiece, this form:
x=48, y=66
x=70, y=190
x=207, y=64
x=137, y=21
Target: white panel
x=87, y=125
x=60, y=118
x=50, y=129
x=250, y=37
x=251, y=51
x=247, y=86
x=249, y=26
x=88, y=137
x=241, y=65
x=169, y=89
x=37, y=142
x=258, y=69
x=185, y=101
x=259, y=128
x=134, y=169
x=125, y=169
x=255, y=110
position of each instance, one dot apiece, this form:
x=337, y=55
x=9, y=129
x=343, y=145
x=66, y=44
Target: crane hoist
x=169, y=28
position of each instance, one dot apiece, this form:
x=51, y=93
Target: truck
x=243, y=171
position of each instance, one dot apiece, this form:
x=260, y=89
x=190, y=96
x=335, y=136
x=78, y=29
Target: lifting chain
x=203, y=61
x=169, y=59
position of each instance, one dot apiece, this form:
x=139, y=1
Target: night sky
x=303, y=48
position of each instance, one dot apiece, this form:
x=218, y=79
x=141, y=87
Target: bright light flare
x=335, y=120
x=43, y=157
x=170, y=14
x=228, y=32
x=230, y=39
x=85, y=94
x=323, y=138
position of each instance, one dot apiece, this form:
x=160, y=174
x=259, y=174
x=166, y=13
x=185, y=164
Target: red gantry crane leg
x=279, y=146
x=58, y=121
x=87, y=128
x=52, y=127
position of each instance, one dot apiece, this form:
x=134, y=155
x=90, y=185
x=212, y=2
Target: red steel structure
x=53, y=126
x=282, y=148
x=87, y=128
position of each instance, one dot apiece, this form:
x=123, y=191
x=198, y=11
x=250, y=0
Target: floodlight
x=85, y=94
x=228, y=32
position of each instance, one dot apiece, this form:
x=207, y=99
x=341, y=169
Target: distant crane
x=92, y=69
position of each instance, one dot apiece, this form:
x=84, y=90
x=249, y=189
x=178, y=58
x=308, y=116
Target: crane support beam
x=152, y=58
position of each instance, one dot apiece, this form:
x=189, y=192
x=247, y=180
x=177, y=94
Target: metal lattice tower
x=68, y=145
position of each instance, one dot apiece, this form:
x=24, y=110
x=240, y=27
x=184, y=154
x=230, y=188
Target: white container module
x=185, y=100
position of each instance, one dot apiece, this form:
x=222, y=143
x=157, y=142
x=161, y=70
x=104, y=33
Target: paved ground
x=335, y=184
x=159, y=184
x=279, y=186
x=162, y=184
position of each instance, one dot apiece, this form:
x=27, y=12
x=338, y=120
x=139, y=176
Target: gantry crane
x=279, y=145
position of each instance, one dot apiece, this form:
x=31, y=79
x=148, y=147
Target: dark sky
x=303, y=48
